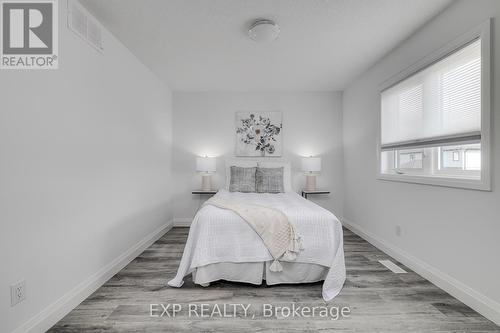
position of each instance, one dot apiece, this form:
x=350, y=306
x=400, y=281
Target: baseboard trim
x=476, y=300
x=45, y=319
x=182, y=221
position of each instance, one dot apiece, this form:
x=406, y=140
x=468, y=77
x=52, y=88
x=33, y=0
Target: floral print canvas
x=258, y=133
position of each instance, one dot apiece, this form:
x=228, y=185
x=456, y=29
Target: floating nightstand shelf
x=201, y=192
x=305, y=193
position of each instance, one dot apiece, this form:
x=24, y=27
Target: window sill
x=471, y=184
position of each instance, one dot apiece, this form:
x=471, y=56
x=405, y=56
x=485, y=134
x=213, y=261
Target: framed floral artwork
x=259, y=133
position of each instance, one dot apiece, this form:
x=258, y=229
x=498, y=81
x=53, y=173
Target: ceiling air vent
x=84, y=25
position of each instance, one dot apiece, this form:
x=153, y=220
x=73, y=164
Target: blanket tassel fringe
x=276, y=266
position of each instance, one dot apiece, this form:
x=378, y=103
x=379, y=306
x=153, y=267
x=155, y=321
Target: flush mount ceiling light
x=264, y=31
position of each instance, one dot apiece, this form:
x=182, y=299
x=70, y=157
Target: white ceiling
x=202, y=45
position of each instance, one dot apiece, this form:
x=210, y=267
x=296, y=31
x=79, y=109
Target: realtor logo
x=29, y=34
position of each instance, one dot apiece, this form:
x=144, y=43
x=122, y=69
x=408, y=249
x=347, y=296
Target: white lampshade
x=205, y=164
x=311, y=164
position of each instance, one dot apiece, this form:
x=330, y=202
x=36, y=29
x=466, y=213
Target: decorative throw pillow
x=269, y=180
x=242, y=179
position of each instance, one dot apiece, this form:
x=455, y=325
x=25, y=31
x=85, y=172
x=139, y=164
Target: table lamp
x=205, y=166
x=311, y=166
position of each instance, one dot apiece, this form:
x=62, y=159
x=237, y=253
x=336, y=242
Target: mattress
x=221, y=236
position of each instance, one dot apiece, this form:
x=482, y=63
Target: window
x=451, y=158
x=434, y=119
x=410, y=159
x=473, y=159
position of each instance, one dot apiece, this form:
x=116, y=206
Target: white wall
x=453, y=231
x=205, y=124
x=85, y=156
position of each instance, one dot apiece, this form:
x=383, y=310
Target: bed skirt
x=256, y=272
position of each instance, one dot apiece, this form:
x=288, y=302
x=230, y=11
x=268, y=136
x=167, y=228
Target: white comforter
x=219, y=235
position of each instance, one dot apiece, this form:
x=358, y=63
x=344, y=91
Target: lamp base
x=206, y=182
x=311, y=183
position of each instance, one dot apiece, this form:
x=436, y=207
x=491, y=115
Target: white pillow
x=287, y=171
x=239, y=163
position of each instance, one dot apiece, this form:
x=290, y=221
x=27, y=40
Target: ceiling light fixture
x=264, y=31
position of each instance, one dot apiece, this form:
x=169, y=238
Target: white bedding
x=219, y=235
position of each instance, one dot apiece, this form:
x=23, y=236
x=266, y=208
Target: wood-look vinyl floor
x=379, y=300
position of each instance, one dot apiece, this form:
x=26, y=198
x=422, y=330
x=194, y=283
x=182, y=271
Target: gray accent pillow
x=242, y=179
x=269, y=180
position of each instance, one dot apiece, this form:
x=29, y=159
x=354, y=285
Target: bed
x=222, y=245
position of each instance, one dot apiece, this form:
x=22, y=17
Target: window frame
x=483, y=31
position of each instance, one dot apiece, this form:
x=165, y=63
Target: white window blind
x=438, y=105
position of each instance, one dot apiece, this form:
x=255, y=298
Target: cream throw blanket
x=277, y=232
